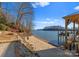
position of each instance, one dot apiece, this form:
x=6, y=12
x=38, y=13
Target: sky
x=50, y=13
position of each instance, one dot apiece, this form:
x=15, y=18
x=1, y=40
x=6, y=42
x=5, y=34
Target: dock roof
x=72, y=14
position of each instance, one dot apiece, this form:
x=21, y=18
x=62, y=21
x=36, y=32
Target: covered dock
x=72, y=18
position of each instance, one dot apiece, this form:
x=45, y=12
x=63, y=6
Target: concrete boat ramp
x=13, y=46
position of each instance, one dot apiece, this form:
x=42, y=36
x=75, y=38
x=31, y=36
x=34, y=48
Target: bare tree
x=25, y=13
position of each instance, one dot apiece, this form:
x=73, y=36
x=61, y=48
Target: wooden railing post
x=65, y=30
x=74, y=29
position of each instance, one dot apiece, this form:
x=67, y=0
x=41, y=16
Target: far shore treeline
x=56, y=28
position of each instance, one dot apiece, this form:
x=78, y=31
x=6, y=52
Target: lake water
x=51, y=36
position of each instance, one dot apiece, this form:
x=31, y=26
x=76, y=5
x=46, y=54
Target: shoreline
x=38, y=44
x=45, y=41
x=41, y=38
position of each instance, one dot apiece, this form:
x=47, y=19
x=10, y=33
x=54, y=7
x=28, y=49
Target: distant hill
x=55, y=28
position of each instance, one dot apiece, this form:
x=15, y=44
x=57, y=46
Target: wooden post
x=74, y=29
x=65, y=30
x=78, y=27
x=58, y=37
